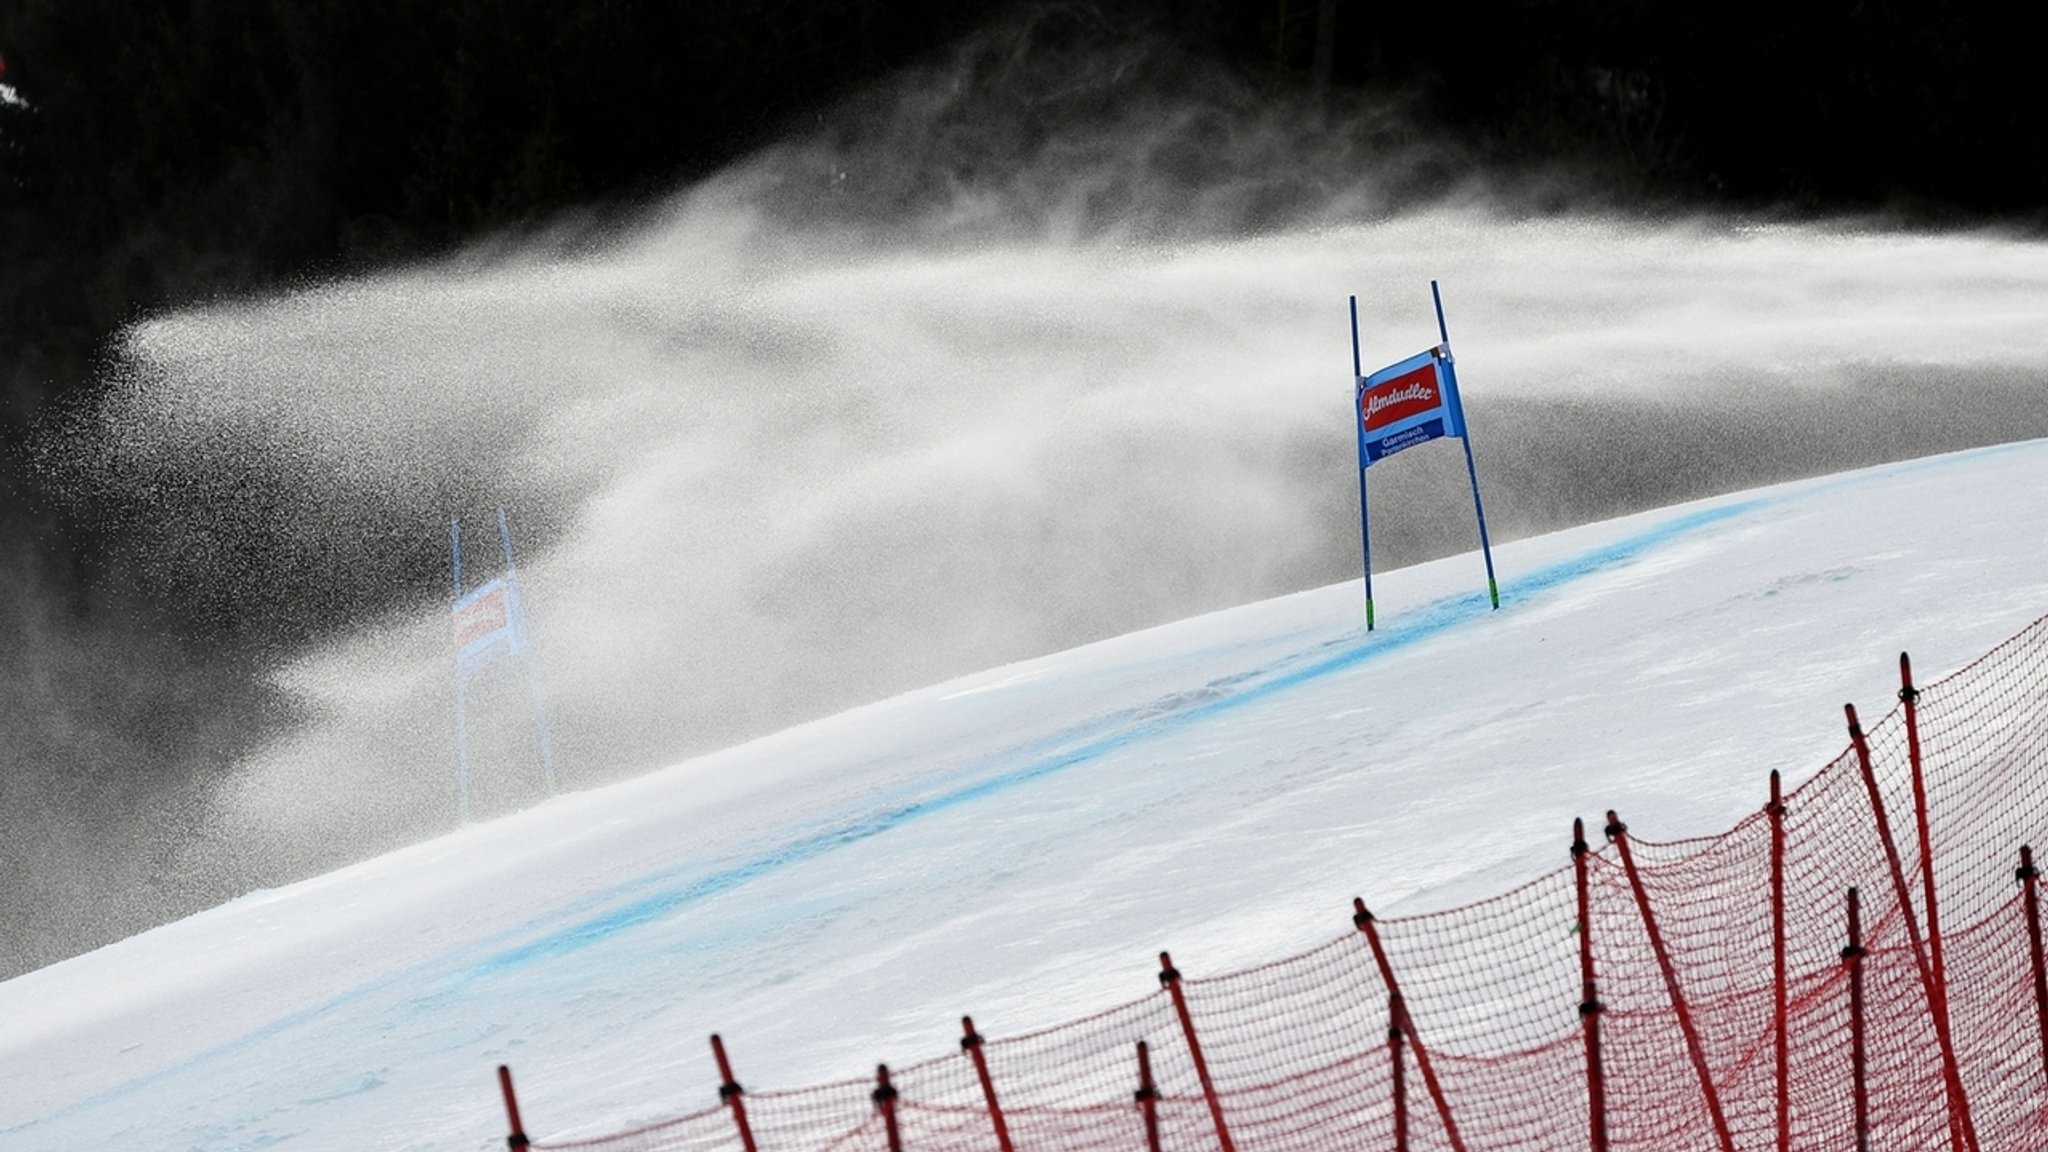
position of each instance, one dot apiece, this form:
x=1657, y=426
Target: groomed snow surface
x=1020, y=844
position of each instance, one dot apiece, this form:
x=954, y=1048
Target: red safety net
x=1728, y=1009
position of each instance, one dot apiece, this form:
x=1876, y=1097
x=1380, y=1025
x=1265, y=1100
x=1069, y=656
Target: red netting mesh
x=1299, y=1052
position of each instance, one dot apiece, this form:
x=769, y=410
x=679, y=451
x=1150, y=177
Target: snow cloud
x=823, y=429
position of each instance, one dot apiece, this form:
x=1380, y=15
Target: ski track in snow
x=625, y=906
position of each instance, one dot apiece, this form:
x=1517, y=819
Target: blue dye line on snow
x=1424, y=624
x=1081, y=742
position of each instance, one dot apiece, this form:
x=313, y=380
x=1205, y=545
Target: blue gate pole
x=1358, y=425
x=461, y=695
x=1465, y=430
x=540, y=716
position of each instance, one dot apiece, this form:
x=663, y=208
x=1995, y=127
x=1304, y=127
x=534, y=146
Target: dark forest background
x=164, y=152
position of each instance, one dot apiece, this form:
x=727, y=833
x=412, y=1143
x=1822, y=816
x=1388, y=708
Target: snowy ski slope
x=1019, y=844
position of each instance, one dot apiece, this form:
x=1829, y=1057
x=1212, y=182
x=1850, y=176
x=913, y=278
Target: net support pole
x=1909, y=701
x=732, y=1094
x=1369, y=928
x=1859, y=1091
x=1395, y=1013
x=971, y=1043
x=1471, y=470
x=885, y=1103
x=1148, y=1098
x=1962, y=1133
x=2030, y=881
x=1358, y=426
x=517, y=1139
x=1617, y=832
x=1780, y=1026
x=1589, y=1000
x=1169, y=976
x=1909, y=704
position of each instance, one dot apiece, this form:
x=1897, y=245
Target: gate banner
x=484, y=617
x=1409, y=403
